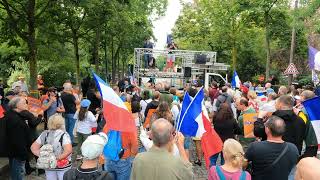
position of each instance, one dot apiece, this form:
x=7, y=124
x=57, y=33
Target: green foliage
x=19, y=68
x=305, y=80
x=236, y=30
x=57, y=73
x=69, y=34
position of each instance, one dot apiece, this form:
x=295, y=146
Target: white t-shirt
x=143, y=104
x=175, y=111
x=86, y=124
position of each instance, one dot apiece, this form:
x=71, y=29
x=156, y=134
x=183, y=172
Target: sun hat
x=93, y=146
x=85, y=103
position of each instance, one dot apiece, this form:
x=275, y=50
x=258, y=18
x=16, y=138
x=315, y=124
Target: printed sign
x=248, y=124
x=35, y=105
x=291, y=69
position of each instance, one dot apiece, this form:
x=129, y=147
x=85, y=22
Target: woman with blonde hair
x=60, y=141
x=252, y=97
x=232, y=169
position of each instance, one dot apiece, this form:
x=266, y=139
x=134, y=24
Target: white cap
x=93, y=146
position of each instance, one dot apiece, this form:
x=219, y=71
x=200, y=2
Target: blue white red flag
x=312, y=108
x=185, y=103
x=235, y=83
x=194, y=121
x=191, y=122
x=114, y=110
x=314, y=58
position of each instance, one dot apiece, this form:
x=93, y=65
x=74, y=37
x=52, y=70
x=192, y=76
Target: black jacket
x=18, y=135
x=32, y=122
x=295, y=128
x=226, y=128
x=152, y=105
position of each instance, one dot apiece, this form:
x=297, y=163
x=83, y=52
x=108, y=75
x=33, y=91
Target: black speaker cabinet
x=187, y=72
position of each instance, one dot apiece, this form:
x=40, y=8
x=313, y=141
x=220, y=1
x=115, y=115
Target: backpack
x=222, y=176
x=47, y=158
x=3, y=137
x=113, y=149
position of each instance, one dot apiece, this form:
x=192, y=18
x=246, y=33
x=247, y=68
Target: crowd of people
x=283, y=144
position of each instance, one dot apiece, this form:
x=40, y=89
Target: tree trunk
x=267, y=39
x=234, y=57
x=118, y=66
x=113, y=62
x=32, y=47
x=293, y=43
x=105, y=54
x=96, y=48
x=77, y=57
x=123, y=66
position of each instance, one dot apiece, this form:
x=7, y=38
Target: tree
x=23, y=16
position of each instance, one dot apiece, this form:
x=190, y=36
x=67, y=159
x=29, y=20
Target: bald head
x=161, y=132
x=268, y=85
x=276, y=126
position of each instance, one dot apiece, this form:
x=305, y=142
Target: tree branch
x=5, y=2
x=43, y=9
x=269, y=9
x=15, y=22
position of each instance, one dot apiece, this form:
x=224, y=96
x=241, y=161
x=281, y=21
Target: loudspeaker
x=179, y=70
x=200, y=58
x=187, y=72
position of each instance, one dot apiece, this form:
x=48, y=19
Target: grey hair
x=67, y=86
x=161, y=130
x=276, y=125
x=273, y=96
x=307, y=94
x=283, y=90
x=286, y=101
x=14, y=101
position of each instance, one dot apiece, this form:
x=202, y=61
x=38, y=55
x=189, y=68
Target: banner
x=34, y=105
x=248, y=124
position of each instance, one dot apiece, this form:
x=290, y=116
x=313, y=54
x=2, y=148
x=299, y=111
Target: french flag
x=117, y=116
x=190, y=121
x=235, y=83
x=194, y=121
x=312, y=108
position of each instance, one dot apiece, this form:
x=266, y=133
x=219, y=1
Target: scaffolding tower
x=188, y=60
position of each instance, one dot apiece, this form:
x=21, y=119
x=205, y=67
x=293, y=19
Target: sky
x=163, y=25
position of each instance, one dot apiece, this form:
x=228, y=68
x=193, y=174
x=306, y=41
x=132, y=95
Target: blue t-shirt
x=53, y=108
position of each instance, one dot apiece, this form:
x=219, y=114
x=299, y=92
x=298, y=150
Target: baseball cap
x=93, y=146
x=85, y=103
